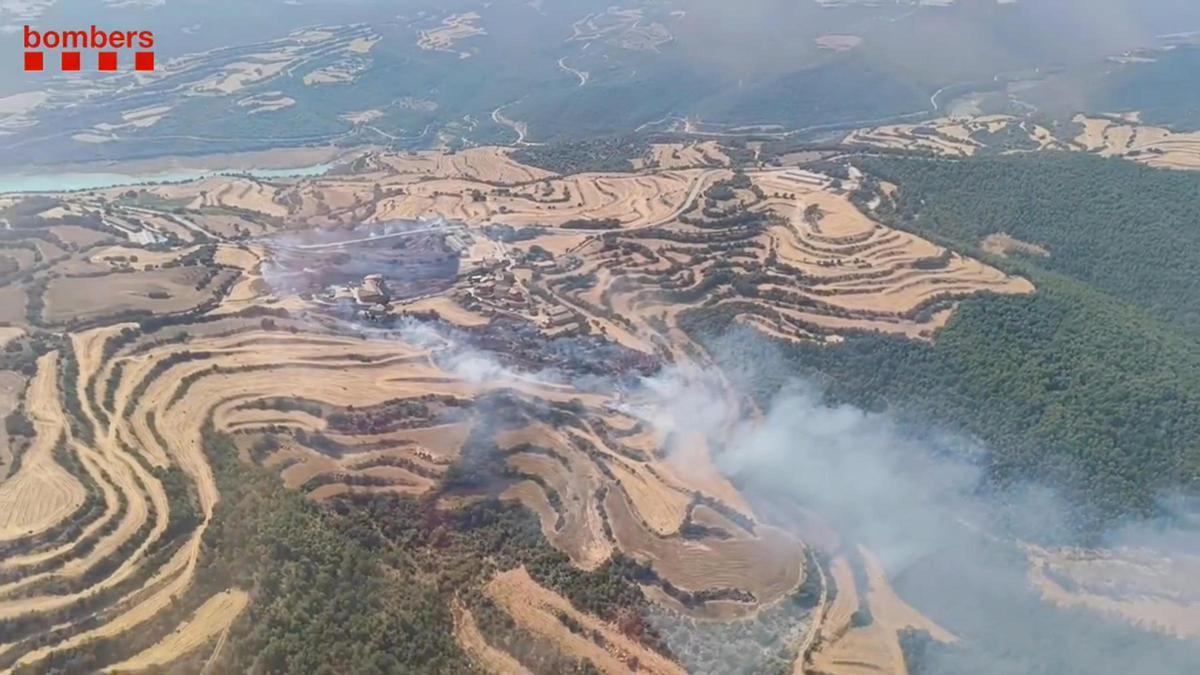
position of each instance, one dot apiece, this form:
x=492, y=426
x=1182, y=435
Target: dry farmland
x=1108, y=136
x=490, y=352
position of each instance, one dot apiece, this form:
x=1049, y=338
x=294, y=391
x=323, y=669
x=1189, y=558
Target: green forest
x=1123, y=228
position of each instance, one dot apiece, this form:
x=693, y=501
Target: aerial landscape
x=673, y=336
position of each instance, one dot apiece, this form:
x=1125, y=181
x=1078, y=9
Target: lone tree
x=813, y=213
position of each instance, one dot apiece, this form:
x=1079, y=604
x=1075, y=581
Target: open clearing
x=1003, y=245
x=453, y=29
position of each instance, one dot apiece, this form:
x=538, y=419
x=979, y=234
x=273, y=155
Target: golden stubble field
x=1122, y=136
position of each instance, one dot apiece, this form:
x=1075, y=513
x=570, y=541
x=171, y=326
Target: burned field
x=421, y=263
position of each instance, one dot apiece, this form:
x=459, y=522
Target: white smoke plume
x=953, y=550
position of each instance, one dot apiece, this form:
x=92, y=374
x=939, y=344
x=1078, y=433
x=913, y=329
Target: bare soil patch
x=1003, y=245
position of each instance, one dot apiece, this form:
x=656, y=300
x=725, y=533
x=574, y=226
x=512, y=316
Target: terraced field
x=791, y=259
x=1108, y=136
x=169, y=328
x=477, y=185
x=148, y=399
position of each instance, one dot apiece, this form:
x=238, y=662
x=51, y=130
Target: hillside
x=449, y=411
x=1124, y=229
x=1090, y=384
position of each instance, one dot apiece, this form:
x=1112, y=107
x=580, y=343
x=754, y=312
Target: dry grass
x=165, y=291
x=12, y=386
x=453, y=29
x=1153, y=146
x=81, y=237
x=42, y=493
x=210, y=620
x=8, y=334
x=476, y=646
x=767, y=564
x=664, y=156
x=12, y=304
x=580, y=534
x=875, y=646
x=536, y=609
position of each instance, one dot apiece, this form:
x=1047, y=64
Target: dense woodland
x=1121, y=227
x=568, y=157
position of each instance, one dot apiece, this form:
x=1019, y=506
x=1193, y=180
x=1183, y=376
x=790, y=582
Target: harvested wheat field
x=453, y=29
x=765, y=564
x=42, y=493
x=683, y=156
x=484, y=655
x=860, y=633
x=476, y=186
x=211, y=620
x=629, y=199
x=484, y=165
x=166, y=291
x=942, y=137
x=1153, y=146
x=540, y=611
x=856, y=274
x=961, y=136
x=1108, y=136
x=12, y=387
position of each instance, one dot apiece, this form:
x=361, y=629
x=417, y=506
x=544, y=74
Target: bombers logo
x=70, y=43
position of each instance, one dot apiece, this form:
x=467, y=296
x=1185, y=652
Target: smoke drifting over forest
x=917, y=499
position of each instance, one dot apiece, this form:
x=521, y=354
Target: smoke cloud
x=954, y=551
